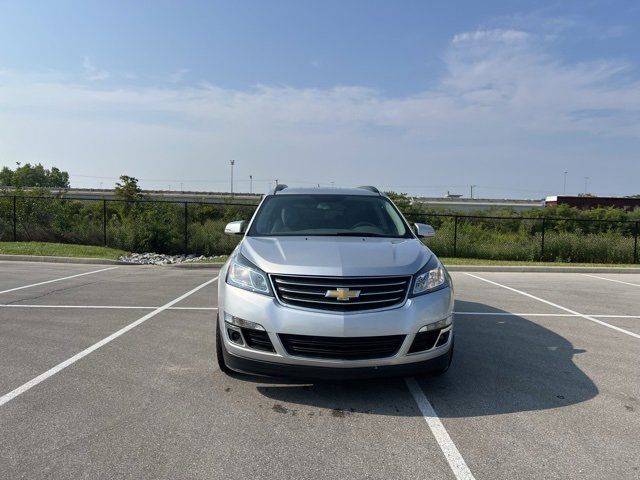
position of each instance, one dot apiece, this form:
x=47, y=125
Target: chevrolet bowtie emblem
x=342, y=294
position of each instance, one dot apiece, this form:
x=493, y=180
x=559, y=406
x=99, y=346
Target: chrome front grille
x=341, y=294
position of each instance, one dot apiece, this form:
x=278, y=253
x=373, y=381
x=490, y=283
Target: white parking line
x=611, y=280
x=578, y=314
x=57, y=280
x=451, y=452
x=98, y=307
x=509, y=314
x=61, y=366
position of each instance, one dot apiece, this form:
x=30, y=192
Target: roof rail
x=279, y=187
x=371, y=189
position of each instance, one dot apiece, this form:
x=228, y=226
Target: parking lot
x=110, y=372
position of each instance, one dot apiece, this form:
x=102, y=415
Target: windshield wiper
x=359, y=234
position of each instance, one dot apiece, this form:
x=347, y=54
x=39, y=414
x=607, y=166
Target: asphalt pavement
x=109, y=372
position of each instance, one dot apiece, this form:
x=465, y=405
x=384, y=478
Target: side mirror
x=423, y=230
x=236, y=228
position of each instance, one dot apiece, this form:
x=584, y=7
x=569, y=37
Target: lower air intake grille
x=341, y=348
x=424, y=341
x=257, y=339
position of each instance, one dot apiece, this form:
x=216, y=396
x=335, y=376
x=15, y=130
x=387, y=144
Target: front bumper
x=260, y=367
x=277, y=319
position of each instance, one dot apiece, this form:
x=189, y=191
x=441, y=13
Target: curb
x=194, y=265
x=48, y=259
x=99, y=261
x=539, y=269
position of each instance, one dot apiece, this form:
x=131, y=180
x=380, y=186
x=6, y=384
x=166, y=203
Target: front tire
x=219, y=349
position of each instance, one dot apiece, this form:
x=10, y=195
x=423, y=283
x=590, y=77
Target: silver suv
x=333, y=283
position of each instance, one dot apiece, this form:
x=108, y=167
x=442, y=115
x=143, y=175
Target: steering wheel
x=364, y=224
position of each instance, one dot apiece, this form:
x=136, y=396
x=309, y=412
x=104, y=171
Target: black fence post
x=186, y=233
x=15, y=220
x=455, y=236
x=635, y=243
x=542, y=240
x=104, y=222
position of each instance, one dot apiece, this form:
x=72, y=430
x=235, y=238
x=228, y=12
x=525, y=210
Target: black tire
x=442, y=370
x=219, y=350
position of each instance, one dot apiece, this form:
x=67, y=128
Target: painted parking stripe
x=57, y=280
x=61, y=366
x=204, y=309
x=586, y=317
x=611, y=280
x=452, y=454
x=509, y=314
x=98, y=307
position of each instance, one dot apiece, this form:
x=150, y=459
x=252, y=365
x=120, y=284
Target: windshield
x=335, y=215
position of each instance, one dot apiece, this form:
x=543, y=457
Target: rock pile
x=163, y=259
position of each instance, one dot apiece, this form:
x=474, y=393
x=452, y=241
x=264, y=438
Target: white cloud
x=92, y=72
x=495, y=35
x=178, y=75
x=505, y=106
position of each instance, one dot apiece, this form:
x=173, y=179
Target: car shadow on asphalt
x=502, y=364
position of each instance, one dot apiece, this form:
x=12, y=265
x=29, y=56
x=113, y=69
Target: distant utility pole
x=564, y=187
x=250, y=183
x=181, y=187
x=333, y=184
x=232, y=162
x=472, y=187
x=586, y=184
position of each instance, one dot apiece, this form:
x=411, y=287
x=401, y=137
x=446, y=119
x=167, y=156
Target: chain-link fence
x=166, y=226
x=532, y=239
x=137, y=225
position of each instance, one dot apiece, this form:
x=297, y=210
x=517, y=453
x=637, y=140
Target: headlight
x=430, y=278
x=244, y=274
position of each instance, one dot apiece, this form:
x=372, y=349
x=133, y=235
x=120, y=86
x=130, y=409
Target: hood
x=336, y=256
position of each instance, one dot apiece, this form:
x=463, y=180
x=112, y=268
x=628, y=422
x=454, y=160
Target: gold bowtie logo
x=342, y=294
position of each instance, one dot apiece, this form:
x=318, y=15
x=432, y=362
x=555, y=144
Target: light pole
x=472, y=187
x=250, y=183
x=232, y=162
x=564, y=187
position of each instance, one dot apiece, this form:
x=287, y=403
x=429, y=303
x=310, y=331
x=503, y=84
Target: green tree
x=6, y=177
x=29, y=175
x=127, y=188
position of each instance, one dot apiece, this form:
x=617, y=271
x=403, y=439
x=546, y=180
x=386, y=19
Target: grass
x=89, y=251
x=480, y=261
x=59, y=250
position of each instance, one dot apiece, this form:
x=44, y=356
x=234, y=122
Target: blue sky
x=416, y=96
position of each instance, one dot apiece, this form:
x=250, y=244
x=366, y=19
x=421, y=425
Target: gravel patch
x=162, y=259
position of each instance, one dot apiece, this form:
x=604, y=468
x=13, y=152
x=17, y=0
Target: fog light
x=444, y=337
x=234, y=335
x=242, y=323
x=437, y=325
